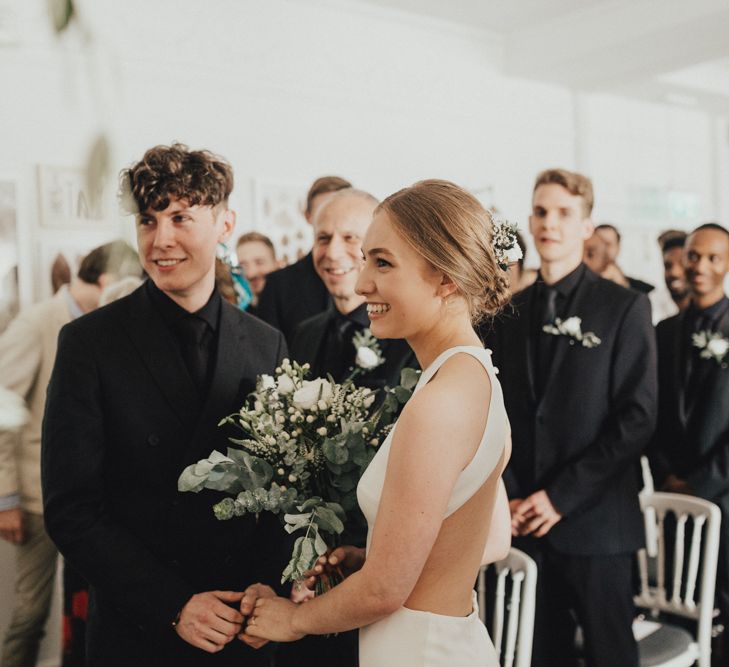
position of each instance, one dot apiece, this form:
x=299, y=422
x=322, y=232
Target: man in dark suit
x=581, y=399
x=296, y=292
x=611, y=236
x=325, y=341
x=135, y=396
x=690, y=450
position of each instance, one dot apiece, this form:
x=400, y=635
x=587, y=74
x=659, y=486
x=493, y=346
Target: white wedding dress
x=412, y=638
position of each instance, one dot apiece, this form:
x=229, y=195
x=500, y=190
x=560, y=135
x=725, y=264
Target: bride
x=433, y=496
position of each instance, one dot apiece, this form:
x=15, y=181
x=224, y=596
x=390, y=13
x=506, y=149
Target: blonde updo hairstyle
x=450, y=228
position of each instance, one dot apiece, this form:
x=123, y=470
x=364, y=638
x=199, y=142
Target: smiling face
x=339, y=228
x=257, y=260
x=558, y=224
x=674, y=273
x=706, y=261
x=403, y=291
x=177, y=248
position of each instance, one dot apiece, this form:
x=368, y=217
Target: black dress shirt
x=337, y=354
x=194, y=334
x=551, y=302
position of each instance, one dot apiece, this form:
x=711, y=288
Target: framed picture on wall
x=278, y=213
x=65, y=201
x=9, y=252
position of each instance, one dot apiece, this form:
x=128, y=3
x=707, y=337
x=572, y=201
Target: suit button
x=153, y=440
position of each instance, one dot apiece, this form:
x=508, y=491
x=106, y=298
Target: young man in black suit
x=690, y=450
x=296, y=292
x=135, y=396
x=581, y=398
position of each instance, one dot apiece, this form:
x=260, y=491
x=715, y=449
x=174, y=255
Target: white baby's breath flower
x=572, y=326
x=310, y=419
x=367, y=358
x=321, y=431
x=369, y=399
x=322, y=404
x=285, y=385
x=258, y=406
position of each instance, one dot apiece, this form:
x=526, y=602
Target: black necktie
x=545, y=342
x=192, y=330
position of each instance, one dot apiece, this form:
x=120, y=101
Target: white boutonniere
x=572, y=328
x=369, y=352
x=712, y=345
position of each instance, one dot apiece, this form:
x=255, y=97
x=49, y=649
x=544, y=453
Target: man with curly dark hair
x=136, y=395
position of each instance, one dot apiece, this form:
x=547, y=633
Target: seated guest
x=672, y=243
x=690, y=449
x=296, y=292
x=257, y=258
x=611, y=236
x=326, y=342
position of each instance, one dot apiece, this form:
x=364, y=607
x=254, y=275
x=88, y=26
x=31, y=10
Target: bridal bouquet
x=304, y=446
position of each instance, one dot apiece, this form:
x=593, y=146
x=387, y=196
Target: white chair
x=693, y=556
x=514, y=615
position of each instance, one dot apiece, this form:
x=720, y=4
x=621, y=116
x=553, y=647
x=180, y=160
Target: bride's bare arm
x=437, y=434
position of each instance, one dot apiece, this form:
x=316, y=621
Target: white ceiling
x=674, y=51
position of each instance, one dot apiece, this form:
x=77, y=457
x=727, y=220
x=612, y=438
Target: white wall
x=289, y=91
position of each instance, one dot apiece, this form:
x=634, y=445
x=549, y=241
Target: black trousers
x=595, y=592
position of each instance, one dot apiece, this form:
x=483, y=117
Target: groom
x=135, y=396
x=582, y=409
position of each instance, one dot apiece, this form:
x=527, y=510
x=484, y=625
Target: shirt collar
x=713, y=312
x=172, y=312
x=358, y=316
x=567, y=285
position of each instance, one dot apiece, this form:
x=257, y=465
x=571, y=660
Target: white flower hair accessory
x=505, y=243
x=712, y=345
x=572, y=328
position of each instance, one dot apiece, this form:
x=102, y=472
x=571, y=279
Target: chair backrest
x=512, y=625
x=692, y=558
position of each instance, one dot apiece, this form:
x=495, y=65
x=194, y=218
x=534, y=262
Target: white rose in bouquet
x=285, y=385
x=267, y=382
x=718, y=347
x=367, y=358
x=572, y=326
x=311, y=392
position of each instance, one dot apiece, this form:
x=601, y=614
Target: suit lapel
x=230, y=367
x=714, y=374
x=678, y=367
x=159, y=354
x=525, y=335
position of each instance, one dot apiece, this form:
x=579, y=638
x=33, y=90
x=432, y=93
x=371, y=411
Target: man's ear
x=229, y=219
x=588, y=228
x=106, y=279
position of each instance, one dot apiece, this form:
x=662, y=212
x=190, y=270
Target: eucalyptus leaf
x=403, y=395
x=328, y=521
x=61, y=12
x=409, y=378
x=334, y=452
x=287, y=574
x=320, y=546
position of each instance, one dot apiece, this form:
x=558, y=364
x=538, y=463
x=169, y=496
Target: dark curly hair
x=199, y=177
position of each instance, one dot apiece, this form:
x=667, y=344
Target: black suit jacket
x=692, y=437
x=581, y=441
x=291, y=295
x=309, y=336
x=122, y=421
